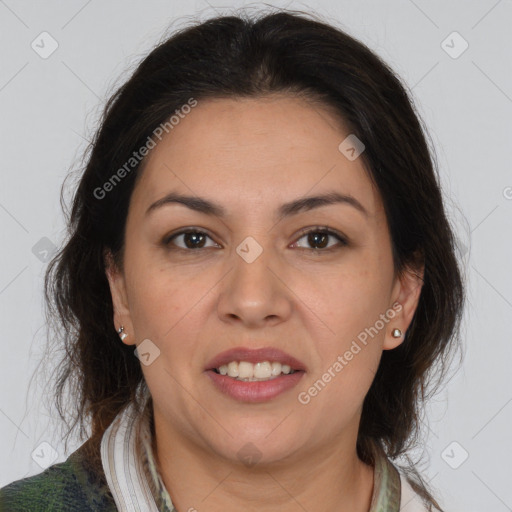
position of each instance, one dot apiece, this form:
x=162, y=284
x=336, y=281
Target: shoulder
x=410, y=501
x=66, y=486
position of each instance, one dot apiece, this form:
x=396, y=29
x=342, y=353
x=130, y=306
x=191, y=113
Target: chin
x=261, y=450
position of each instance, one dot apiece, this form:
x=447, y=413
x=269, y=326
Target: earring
x=396, y=333
x=122, y=334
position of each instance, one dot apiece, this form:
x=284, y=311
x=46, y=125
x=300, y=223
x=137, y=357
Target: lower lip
x=256, y=391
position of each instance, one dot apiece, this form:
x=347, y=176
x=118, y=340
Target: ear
x=406, y=294
x=116, y=281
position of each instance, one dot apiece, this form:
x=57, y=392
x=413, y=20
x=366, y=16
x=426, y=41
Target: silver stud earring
x=396, y=333
x=122, y=334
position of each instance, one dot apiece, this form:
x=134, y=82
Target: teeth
x=262, y=370
x=246, y=371
x=232, y=369
x=276, y=369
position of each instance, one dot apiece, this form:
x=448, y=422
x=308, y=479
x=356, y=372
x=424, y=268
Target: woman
x=258, y=285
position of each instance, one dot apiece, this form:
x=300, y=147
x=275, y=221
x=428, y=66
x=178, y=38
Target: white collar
x=121, y=460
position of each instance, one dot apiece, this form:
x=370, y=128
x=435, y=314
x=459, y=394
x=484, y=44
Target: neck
x=327, y=478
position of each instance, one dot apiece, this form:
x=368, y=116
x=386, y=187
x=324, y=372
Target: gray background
x=49, y=106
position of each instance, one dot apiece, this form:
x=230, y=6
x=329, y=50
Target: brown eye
x=191, y=239
x=318, y=239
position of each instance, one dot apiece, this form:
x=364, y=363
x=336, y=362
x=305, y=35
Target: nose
x=255, y=292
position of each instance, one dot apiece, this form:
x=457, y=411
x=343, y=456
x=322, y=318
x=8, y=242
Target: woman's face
x=250, y=278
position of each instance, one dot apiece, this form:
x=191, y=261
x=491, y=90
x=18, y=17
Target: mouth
x=262, y=363
x=254, y=375
x=249, y=372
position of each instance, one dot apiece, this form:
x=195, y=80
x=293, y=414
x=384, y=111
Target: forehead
x=252, y=151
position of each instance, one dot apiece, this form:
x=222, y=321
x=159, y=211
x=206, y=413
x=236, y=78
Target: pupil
x=195, y=237
x=315, y=237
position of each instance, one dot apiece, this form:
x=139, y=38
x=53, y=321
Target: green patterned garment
x=70, y=486
x=65, y=487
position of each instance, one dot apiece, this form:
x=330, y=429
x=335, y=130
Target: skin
x=252, y=155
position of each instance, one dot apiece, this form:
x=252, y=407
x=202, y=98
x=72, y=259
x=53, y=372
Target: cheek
x=159, y=294
x=350, y=305
x=340, y=384
x=169, y=308
x=347, y=301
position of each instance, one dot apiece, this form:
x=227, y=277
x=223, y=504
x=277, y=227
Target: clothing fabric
x=131, y=481
x=69, y=486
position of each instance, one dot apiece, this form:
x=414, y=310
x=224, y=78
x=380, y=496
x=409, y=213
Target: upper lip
x=254, y=356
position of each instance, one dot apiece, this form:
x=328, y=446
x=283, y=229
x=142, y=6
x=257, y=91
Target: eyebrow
x=208, y=207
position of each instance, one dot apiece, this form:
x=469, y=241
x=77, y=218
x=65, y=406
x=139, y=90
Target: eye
x=319, y=236
x=192, y=238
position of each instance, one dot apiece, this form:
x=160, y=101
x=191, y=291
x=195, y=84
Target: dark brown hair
x=284, y=52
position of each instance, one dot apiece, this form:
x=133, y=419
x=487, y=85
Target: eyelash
x=317, y=229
